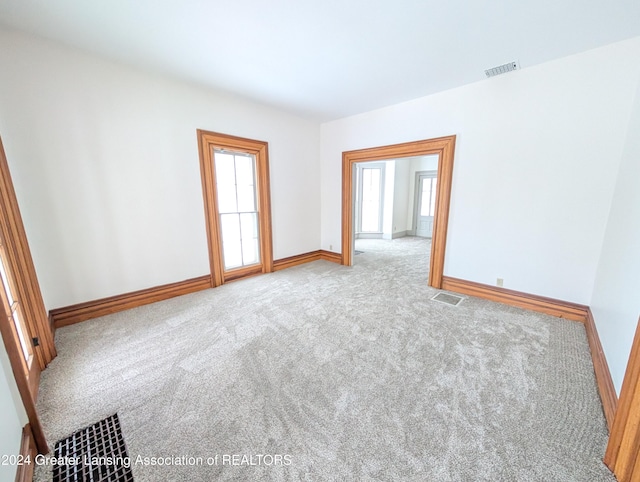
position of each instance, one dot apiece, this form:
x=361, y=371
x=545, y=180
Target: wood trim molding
x=69, y=315
x=114, y=304
x=331, y=256
x=541, y=304
x=207, y=141
x=14, y=353
x=299, y=259
x=28, y=452
x=241, y=273
x=292, y=261
x=553, y=307
x=623, y=449
x=444, y=147
x=21, y=265
x=606, y=389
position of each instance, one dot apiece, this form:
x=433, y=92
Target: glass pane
x=432, y=212
x=5, y=284
x=20, y=328
x=250, y=247
x=226, y=182
x=237, y=206
x=370, y=200
x=425, y=196
x=231, y=247
x=245, y=183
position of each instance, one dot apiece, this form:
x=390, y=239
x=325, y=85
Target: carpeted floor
x=335, y=373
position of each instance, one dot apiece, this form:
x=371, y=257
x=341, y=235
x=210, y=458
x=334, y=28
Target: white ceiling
x=326, y=59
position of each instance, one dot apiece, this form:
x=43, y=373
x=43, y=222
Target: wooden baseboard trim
x=606, y=388
x=52, y=325
x=331, y=256
x=549, y=306
x=106, y=306
x=69, y=315
x=292, y=261
x=28, y=451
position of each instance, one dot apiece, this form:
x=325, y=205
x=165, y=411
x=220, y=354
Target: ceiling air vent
x=502, y=69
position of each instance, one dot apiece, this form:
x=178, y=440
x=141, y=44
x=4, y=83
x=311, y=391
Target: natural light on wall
x=235, y=184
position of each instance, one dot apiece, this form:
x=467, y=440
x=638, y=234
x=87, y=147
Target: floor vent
x=96, y=453
x=358, y=252
x=452, y=300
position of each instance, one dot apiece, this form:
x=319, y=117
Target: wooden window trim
x=20, y=263
x=207, y=141
x=444, y=147
x=623, y=449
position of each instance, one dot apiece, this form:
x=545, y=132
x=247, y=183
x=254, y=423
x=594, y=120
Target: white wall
x=12, y=415
x=536, y=159
x=616, y=295
x=422, y=163
x=105, y=164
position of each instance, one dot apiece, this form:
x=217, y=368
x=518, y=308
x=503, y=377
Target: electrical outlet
x=331, y=247
x=500, y=282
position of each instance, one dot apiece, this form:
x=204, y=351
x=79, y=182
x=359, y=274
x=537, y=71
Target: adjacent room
x=318, y=241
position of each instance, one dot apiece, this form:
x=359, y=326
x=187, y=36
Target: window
x=369, y=200
x=237, y=208
x=13, y=308
x=24, y=319
x=371, y=197
x=235, y=181
x=428, y=198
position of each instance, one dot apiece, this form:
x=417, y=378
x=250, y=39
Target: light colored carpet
x=353, y=373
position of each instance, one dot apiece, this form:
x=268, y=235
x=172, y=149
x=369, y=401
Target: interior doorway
x=443, y=148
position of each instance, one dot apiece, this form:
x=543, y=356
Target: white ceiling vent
x=502, y=69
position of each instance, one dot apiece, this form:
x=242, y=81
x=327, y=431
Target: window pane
x=226, y=182
x=425, y=197
x=231, y=247
x=432, y=212
x=5, y=284
x=20, y=328
x=245, y=183
x=237, y=206
x=370, y=200
x=250, y=247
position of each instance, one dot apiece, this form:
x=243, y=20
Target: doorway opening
x=443, y=148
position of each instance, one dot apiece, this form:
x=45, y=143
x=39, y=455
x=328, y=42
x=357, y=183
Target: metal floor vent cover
x=97, y=453
x=452, y=300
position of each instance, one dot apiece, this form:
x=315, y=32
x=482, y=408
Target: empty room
x=319, y=241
